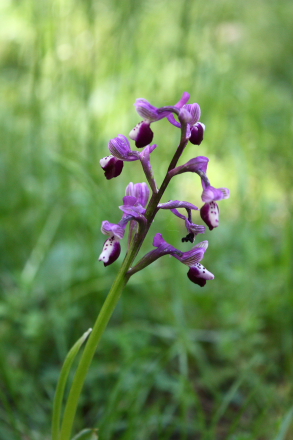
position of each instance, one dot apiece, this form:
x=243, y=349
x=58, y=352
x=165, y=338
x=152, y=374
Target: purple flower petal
x=210, y=193
x=120, y=148
x=132, y=207
x=184, y=115
x=112, y=166
x=195, y=255
x=164, y=247
x=194, y=111
x=184, y=100
x=147, y=111
x=198, y=164
x=140, y=191
x=111, y=251
x=112, y=229
x=177, y=204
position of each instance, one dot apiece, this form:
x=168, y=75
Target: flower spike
x=135, y=203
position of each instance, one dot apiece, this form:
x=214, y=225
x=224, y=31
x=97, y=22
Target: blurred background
x=177, y=361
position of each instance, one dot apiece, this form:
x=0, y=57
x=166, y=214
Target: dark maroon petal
x=197, y=133
x=192, y=275
x=144, y=136
x=112, y=167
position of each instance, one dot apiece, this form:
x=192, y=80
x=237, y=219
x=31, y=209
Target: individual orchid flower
x=192, y=228
x=112, y=247
x=142, y=133
x=121, y=152
x=210, y=212
x=133, y=209
x=140, y=191
x=197, y=273
x=195, y=129
x=112, y=166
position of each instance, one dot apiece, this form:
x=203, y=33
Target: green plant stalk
x=112, y=300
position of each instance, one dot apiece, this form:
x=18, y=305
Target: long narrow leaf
x=285, y=425
x=57, y=405
x=87, y=434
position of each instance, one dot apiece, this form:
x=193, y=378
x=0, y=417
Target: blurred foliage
x=177, y=361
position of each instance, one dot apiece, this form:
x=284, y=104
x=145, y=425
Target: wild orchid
x=141, y=203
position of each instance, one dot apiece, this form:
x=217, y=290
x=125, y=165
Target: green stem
x=112, y=300
x=90, y=348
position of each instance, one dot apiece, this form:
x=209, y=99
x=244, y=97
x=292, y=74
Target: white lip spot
x=204, y=273
x=134, y=132
x=214, y=214
x=105, y=160
x=107, y=249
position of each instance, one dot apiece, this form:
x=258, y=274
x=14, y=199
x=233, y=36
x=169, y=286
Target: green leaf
x=87, y=434
x=285, y=425
x=57, y=405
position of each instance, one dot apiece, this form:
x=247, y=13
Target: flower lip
x=112, y=166
x=198, y=274
x=111, y=251
x=210, y=214
x=142, y=134
x=197, y=133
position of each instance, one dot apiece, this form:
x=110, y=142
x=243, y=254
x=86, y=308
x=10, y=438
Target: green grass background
x=177, y=361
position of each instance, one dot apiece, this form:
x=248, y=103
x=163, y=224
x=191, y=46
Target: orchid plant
x=140, y=205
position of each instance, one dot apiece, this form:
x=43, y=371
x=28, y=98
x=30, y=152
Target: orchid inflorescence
x=139, y=211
